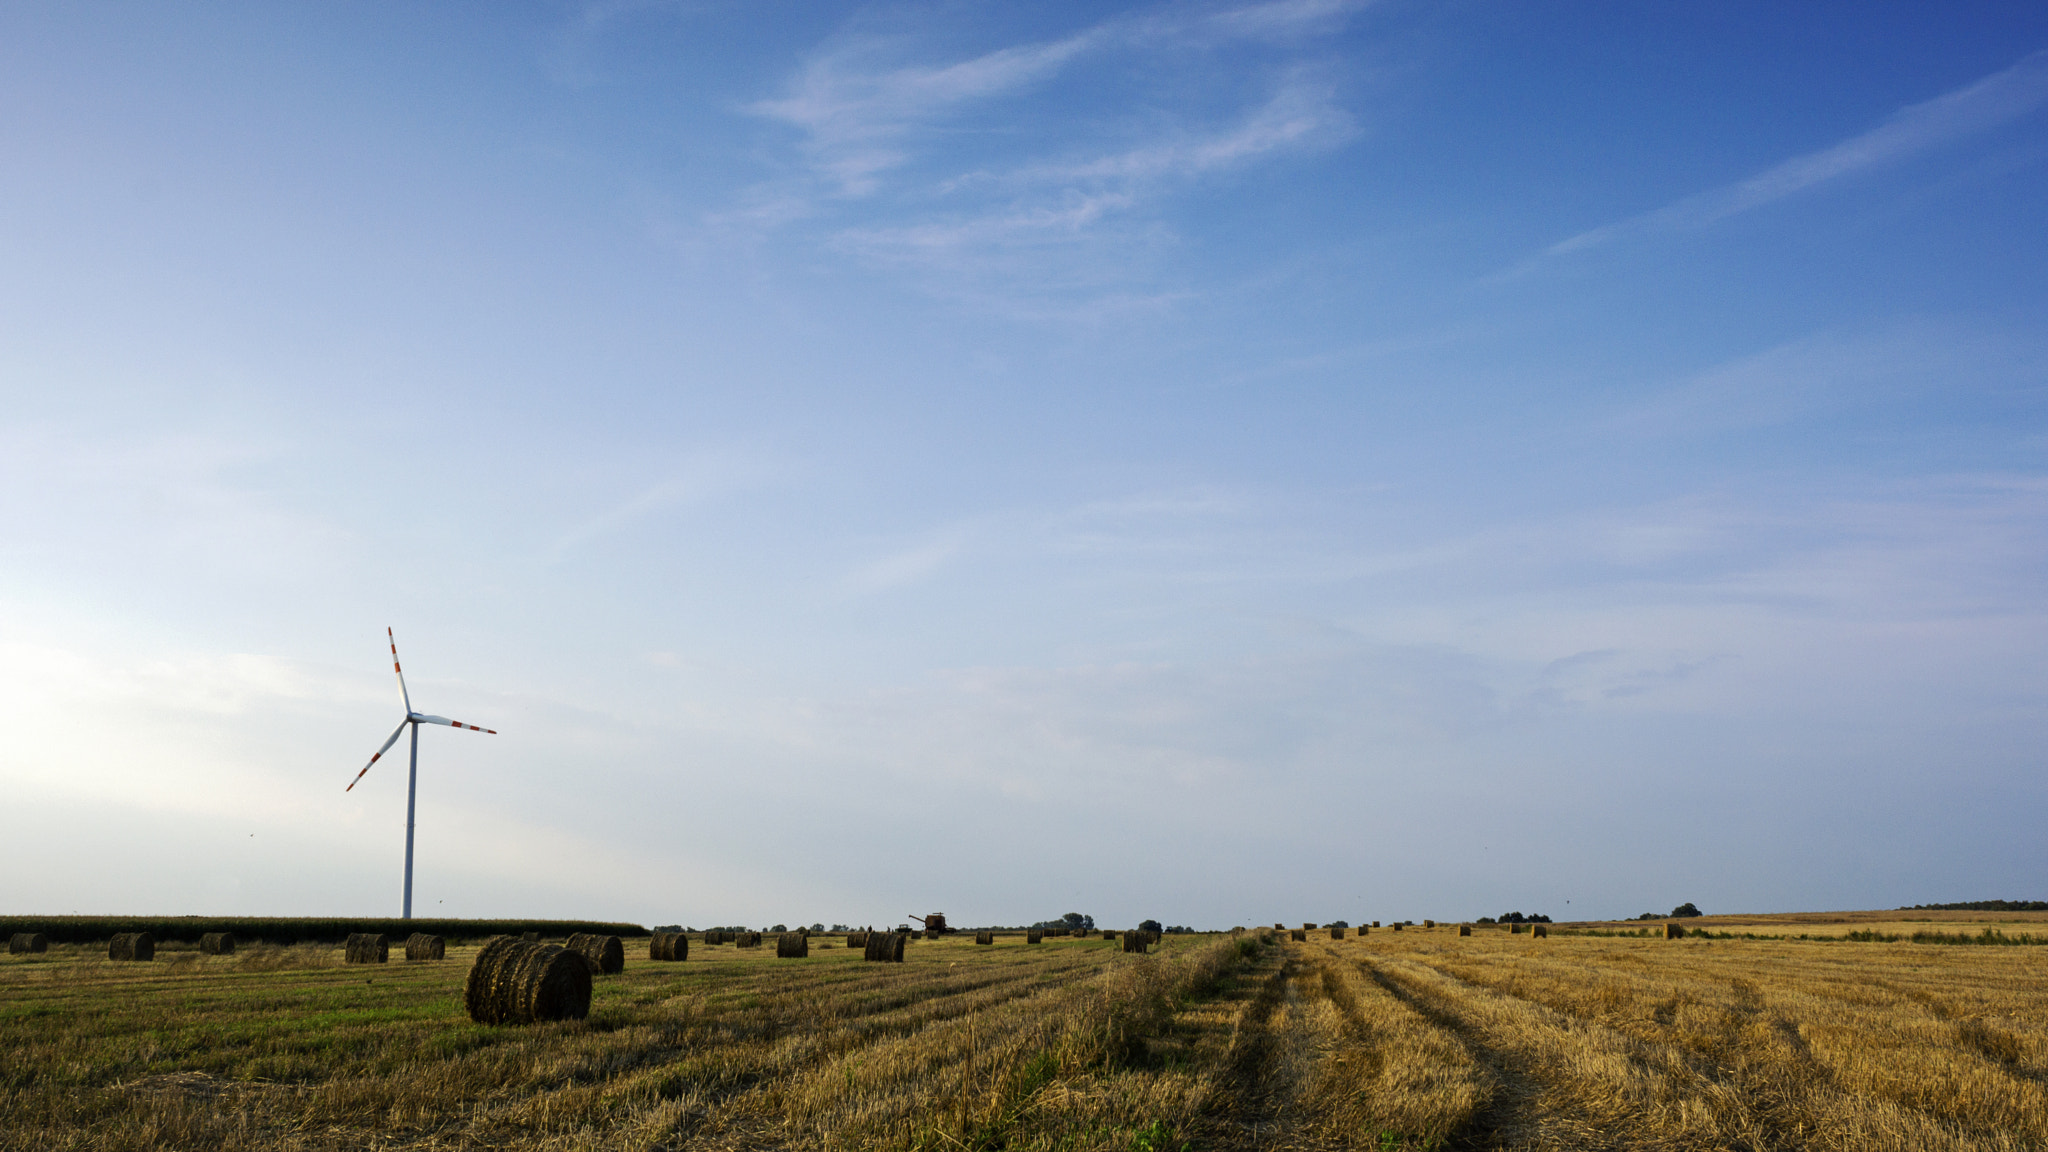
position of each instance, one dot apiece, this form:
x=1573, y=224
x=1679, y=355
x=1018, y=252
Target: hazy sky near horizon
x=1217, y=462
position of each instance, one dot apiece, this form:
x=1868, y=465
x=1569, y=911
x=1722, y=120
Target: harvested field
x=1488, y=1041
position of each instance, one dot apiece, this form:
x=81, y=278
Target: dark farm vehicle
x=934, y=923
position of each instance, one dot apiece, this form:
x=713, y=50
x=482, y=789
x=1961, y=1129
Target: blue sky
x=1216, y=462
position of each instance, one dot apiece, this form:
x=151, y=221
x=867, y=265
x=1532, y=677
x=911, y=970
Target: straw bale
x=1298, y=934
x=607, y=954
x=1033, y=935
x=217, y=943
x=984, y=937
x=131, y=946
x=669, y=946
x=1308, y=927
x=1429, y=923
x=530, y=937
x=367, y=948
x=1135, y=941
x=1362, y=929
x=1515, y=928
x=515, y=981
x=1108, y=934
x=24, y=942
x=1541, y=931
x=857, y=939
x=1375, y=923
x=886, y=947
x=1279, y=927
x=1397, y=925
x=420, y=946
x=748, y=940
x=1674, y=931
x=1464, y=929
x=792, y=946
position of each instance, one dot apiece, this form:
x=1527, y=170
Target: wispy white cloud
x=1979, y=107
x=878, y=138
x=703, y=477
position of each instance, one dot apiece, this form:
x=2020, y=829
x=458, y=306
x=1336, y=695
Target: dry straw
x=520, y=982
x=792, y=946
x=606, y=954
x=131, y=946
x=984, y=937
x=217, y=943
x=420, y=946
x=669, y=946
x=25, y=942
x=367, y=948
x=886, y=947
x=1033, y=935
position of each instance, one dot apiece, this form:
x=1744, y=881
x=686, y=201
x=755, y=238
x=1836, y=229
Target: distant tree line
x=1508, y=918
x=1982, y=906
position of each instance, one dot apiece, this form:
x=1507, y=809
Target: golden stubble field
x=1411, y=1039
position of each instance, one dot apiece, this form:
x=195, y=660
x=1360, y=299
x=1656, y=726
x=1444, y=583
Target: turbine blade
x=452, y=723
x=401, y=672
x=381, y=751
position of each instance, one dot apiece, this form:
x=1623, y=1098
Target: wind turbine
x=414, y=720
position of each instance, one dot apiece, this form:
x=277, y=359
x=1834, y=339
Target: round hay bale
x=516, y=981
x=1362, y=929
x=131, y=946
x=886, y=947
x=607, y=954
x=792, y=946
x=1336, y=933
x=1397, y=925
x=748, y=940
x=217, y=943
x=1033, y=935
x=1674, y=931
x=530, y=937
x=1279, y=927
x=367, y=948
x=1464, y=929
x=22, y=943
x=1308, y=926
x=1107, y=934
x=1375, y=923
x=1429, y=923
x=1541, y=931
x=669, y=946
x=1136, y=941
x=984, y=937
x=420, y=946
x=1300, y=935
x=856, y=939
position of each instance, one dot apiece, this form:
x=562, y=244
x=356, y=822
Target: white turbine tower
x=412, y=777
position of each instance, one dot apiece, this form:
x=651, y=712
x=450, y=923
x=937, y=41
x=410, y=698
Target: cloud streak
x=1994, y=100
